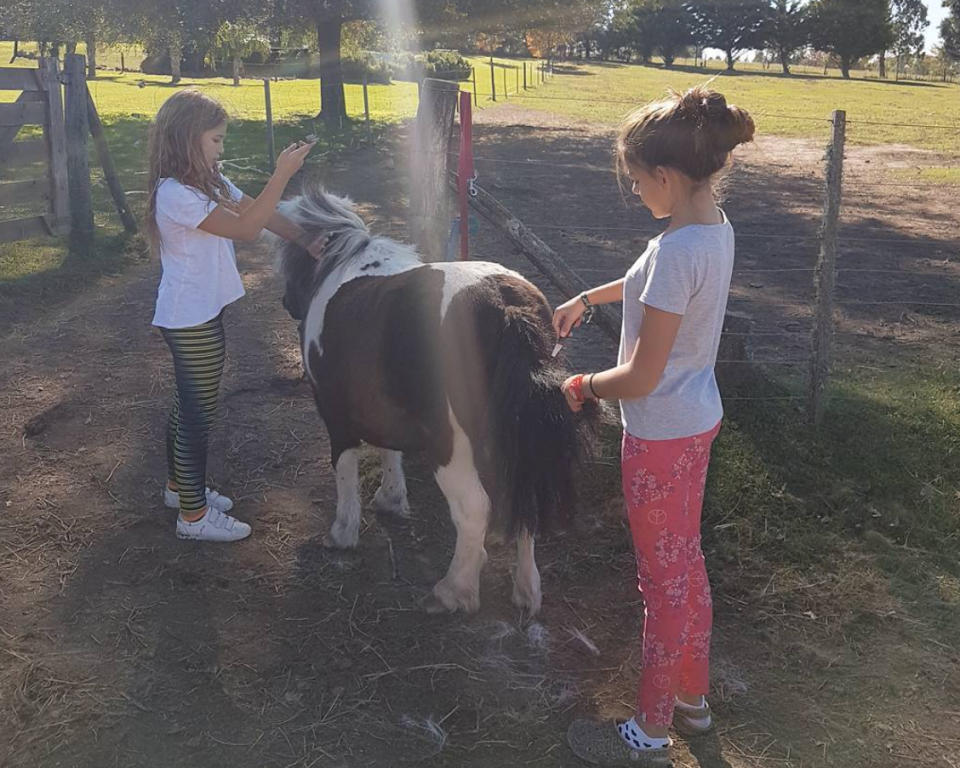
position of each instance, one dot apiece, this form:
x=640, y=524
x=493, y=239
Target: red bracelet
x=576, y=384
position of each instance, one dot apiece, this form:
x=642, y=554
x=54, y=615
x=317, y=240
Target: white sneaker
x=213, y=526
x=171, y=499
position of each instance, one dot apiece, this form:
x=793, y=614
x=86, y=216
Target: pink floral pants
x=663, y=483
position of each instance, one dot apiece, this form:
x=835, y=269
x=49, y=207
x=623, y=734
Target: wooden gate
x=40, y=103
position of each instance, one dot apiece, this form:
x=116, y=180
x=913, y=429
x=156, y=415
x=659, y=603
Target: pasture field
x=833, y=554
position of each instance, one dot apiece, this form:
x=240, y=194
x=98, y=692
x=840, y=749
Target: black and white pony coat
x=450, y=359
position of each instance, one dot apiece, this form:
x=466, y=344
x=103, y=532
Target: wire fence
x=898, y=241
x=898, y=237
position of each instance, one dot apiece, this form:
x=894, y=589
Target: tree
x=950, y=30
x=850, y=29
x=672, y=30
x=785, y=30
x=238, y=39
x=909, y=23
x=730, y=25
x=635, y=23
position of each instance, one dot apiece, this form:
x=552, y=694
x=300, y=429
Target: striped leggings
x=198, y=354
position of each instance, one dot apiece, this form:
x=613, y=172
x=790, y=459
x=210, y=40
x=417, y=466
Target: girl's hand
x=317, y=247
x=573, y=390
x=568, y=316
x=291, y=159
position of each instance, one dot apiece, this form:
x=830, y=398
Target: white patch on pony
x=458, y=275
x=381, y=257
x=470, y=511
x=345, y=531
x=526, y=579
x=391, y=496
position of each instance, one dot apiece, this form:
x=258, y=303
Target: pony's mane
x=318, y=212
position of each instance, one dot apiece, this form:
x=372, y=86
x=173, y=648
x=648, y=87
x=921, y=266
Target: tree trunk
x=236, y=70
x=845, y=67
x=882, y=69
x=729, y=59
x=16, y=51
x=91, y=42
x=668, y=59
x=71, y=48
x=785, y=61
x=333, y=108
x=176, y=53
x=898, y=67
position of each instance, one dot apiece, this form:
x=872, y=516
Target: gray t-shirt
x=686, y=272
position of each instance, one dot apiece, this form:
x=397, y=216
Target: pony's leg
x=391, y=496
x=345, y=530
x=470, y=511
x=526, y=579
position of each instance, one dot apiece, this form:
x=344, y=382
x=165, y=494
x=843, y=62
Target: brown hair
x=176, y=152
x=693, y=132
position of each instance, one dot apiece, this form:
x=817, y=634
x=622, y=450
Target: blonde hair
x=176, y=151
x=694, y=132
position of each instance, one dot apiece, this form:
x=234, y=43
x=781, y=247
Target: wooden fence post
x=473, y=71
x=366, y=104
x=271, y=143
x=431, y=200
x=78, y=165
x=493, y=80
x=524, y=75
x=825, y=277
x=109, y=170
x=506, y=95
x=56, y=135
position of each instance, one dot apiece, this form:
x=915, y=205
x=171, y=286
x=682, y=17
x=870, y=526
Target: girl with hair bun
x=674, y=299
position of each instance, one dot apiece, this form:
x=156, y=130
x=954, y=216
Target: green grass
x=106, y=57
x=935, y=175
x=785, y=106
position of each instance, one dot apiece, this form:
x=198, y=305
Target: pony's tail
x=538, y=443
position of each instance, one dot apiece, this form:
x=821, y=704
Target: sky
x=935, y=14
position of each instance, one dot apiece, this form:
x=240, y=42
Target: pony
x=452, y=360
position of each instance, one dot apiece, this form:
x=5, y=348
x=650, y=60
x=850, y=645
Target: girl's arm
x=606, y=294
x=286, y=228
x=245, y=223
x=567, y=316
x=639, y=376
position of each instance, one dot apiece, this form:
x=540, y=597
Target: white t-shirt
x=200, y=274
x=686, y=272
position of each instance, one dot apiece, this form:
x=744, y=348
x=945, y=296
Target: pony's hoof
x=332, y=541
x=394, y=505
x=434, y=605
x=443, y=599
x=528, y=602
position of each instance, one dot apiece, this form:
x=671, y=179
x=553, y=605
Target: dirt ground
x=122, y=646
